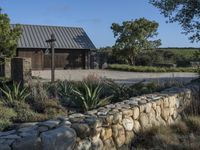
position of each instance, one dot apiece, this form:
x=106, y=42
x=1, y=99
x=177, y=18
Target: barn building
x=72, y=49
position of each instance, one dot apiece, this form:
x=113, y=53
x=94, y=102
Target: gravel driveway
x=119, y=76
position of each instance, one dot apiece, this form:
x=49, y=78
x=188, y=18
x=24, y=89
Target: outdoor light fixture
x=52, y=44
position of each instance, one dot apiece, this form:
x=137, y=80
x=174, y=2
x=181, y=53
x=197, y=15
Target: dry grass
x=184, y=135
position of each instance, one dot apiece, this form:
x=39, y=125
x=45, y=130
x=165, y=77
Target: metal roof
x=35, y=36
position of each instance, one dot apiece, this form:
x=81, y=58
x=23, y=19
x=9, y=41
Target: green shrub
x=124, y=67
x=13, y=93
x=38, y=92
x=6, y=117
x=26, y=114
x=118, y=92
x=48, y=107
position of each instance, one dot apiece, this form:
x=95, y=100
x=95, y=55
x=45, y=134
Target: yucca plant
x=89, y=97
x=13, y=93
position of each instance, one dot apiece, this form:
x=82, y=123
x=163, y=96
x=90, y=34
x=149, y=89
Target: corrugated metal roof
x=35, y=36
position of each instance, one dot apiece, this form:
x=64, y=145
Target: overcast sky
x=95, y=16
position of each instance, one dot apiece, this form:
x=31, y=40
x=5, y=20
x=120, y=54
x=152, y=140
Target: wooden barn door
x=36, y=57
x=61, y=60
x=37, y=60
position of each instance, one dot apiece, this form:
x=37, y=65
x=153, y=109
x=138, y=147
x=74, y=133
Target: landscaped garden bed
x=39, y=101
x=112, y=126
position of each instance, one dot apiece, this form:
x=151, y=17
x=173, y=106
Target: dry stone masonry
x=106, y=128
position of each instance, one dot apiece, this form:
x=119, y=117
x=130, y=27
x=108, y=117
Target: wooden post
x=52, y=43
x=52, y=61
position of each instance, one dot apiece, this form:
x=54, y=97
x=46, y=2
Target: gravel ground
x=119, y=76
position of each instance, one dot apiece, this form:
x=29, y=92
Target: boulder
x=82, y=129
x=33, y=143
x=62, y=138
x=50, y=123
x=4, y=147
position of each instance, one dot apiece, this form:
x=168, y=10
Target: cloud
x=92, y=20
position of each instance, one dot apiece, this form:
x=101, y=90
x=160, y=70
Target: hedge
x=124, y=67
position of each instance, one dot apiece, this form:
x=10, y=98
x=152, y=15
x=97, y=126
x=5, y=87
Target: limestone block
x=137, y=126
x=154, y=105
x=82, y=129
x=83, y=145
x=165, y=113
x=117, y=118
x=136, y=113
x=118, y=135
x=144, y=120
x=129, y=137
x=148, y=107
x=166, y=102
x=109, y=144
x=142, y=108
x=128, y=123
x=127, y=112
x=106, y=133
x=172, y=101
x=158, y=111
x=97, y=143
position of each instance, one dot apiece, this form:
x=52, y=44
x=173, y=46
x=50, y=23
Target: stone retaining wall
x=106, y=128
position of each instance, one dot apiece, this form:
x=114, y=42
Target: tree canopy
x=8, y=36
x=185, y=12
x=133, y=37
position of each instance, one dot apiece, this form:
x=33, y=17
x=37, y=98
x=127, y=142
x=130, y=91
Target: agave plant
x=64, y=89
x=89, y=97
x=13, y=93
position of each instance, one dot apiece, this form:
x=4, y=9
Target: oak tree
x=185, y=12
x=9, y=36
x=133, y=37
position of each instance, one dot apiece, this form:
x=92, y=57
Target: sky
x=95, y=16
